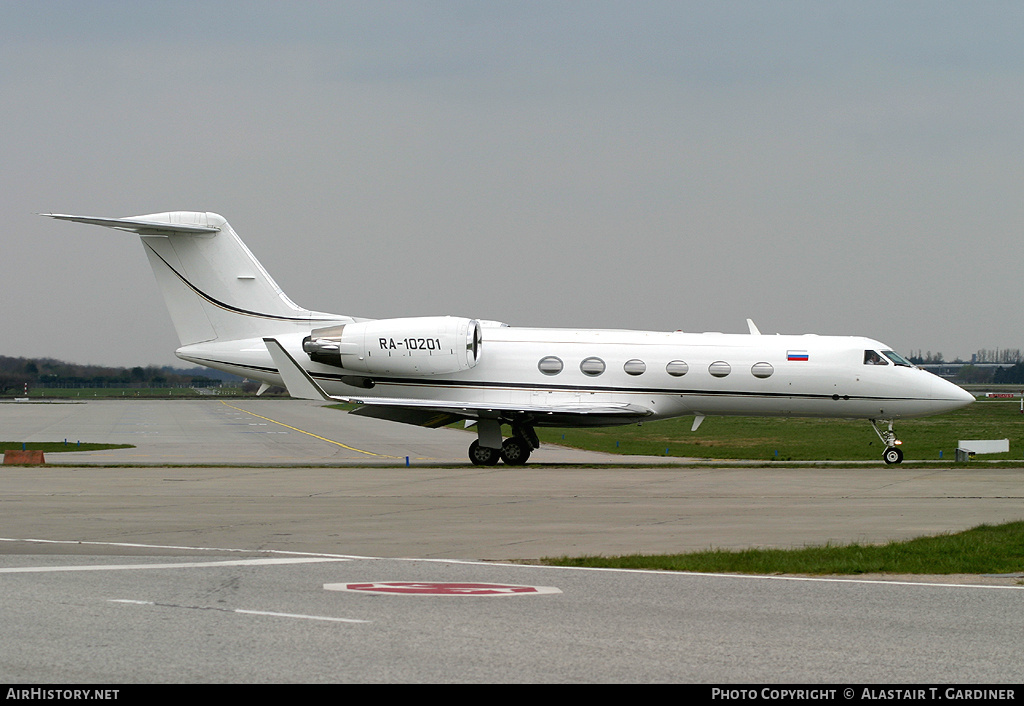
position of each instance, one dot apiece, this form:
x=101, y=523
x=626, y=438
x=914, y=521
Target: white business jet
x=432, y=371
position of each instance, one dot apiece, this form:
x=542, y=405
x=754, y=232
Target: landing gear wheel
x=515, y=451
x=892, y=455
x=483, y=456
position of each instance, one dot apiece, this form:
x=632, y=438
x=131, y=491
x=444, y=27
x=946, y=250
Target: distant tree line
x=919, y=358
x=977, y=375
x=1009, y=356
x=50, y=373
x=998, y=355
x=1013, y=375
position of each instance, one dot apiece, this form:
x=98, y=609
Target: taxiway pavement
x=123, y=566
x=300, y=477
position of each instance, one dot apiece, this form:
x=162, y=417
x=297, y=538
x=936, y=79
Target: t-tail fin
x=215, y=289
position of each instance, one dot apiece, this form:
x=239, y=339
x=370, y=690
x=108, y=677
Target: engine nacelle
x=427, y=345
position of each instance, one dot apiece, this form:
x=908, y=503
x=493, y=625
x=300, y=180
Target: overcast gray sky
x=821, y=167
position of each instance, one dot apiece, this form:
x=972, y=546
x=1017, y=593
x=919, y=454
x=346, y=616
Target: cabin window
x=677, y=368
x=872, y=358
x=719, y=369
x=592, y=367
x=635, y=367
x=550, y=365
x=762, y=370
x=897, y=359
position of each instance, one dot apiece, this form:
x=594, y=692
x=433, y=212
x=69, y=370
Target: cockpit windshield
x=897, y=359
x=872, y=358
x=883, y=358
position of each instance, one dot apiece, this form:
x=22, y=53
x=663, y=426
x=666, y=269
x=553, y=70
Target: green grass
x=985, y=549
x=798, y=439
x=52, y=447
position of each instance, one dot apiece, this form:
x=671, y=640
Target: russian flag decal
x=797, y=355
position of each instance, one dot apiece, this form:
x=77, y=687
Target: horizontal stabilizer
x=134, y=225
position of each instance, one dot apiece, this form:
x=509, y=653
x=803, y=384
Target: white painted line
x=180, y=565
x=300, y=616
x=243, y=611
x=467, y=562
x=137, y=545
x=441, y=588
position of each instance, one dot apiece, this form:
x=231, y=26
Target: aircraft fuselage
x=670, y=374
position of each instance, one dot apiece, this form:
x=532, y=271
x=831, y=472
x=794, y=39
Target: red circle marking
x=433, y=588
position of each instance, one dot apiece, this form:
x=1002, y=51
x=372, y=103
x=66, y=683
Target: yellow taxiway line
x=308, y=433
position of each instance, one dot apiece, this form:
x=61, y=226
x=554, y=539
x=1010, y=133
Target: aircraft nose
x=952, y=396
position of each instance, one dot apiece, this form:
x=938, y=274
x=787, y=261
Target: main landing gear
x=514, y=451
x=892, y=454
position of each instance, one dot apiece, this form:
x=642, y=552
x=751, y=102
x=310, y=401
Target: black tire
x=892, y=455
x=483, y=456
x=515, y=451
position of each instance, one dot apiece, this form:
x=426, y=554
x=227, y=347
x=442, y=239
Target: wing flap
x=430, y=418
x=464, y=408
x=434, y=413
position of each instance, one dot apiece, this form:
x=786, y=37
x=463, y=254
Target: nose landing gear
x=892, y=454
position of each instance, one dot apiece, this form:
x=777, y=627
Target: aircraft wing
x=436, y=412
x=431, y=413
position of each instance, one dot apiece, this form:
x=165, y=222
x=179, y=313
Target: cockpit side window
x=897, y=359
x=872, y=358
